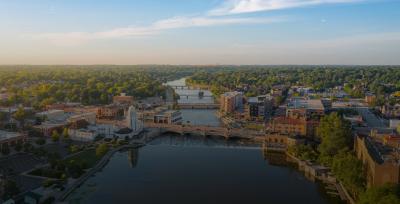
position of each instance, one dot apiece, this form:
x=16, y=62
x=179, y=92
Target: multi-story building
x=161, y=115
x=305, y=108
x=90, y=117
x=381, y=161
x=123, y=99
x=289, y=126
x=168, y=117
x=260, y=106
x=370, y=98
x=47, y=128
x=110, y=112
x=231, y=101
x=11, y=138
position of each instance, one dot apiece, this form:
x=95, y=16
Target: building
x=150, y=102
x=168, y=117
x=260, y=106
x=123, y=99
x=83, y=135
x=47, y=128
x=305, y=108
x=4, y=96
x=161, y=115
x=381, y=161
x=394, y=123
x=391, y=111
x=90, y=117
x=110, y=112
x=231, y=101
x=52, y=115
x=282, y=141
x=288, y=126
x=278, y=90
x=370, y=98
x=62, y=106
x=11, y=138
x=132, y=120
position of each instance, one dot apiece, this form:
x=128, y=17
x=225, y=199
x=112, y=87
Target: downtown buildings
x=231, y=102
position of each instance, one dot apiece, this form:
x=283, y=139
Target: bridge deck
x=208, y=130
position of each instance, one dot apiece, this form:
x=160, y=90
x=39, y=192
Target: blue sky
x=200, y=32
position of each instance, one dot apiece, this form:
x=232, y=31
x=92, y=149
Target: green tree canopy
x=335, y=134
x=55, y=136
x=388, y=194
x=101, y=149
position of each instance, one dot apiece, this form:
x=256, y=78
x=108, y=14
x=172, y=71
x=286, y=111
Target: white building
x=133, y=122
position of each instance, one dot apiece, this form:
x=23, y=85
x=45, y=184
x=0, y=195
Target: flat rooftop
x=233, y=93
x=5, y=135
x=298, y=103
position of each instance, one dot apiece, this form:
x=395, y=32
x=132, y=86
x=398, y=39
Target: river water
x=189, y=169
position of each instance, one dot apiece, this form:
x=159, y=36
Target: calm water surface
x=176, y=169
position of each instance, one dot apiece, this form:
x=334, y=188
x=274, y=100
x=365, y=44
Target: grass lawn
x=88, y=156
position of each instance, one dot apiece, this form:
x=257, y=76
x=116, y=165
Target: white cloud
x=76, y=38
x=229, y=7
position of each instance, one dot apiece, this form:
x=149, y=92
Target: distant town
x=338, y=125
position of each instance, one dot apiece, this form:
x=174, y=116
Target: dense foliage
x=336, y=139
x=43, y=85
x=258, y=79
x=388, y=194
x=335, y=134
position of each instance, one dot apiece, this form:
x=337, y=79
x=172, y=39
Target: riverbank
x=99, y=165
x=321, y=173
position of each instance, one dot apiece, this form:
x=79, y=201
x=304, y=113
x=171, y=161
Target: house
x=123, y=99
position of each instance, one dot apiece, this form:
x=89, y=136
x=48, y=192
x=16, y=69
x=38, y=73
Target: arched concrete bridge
x=208, y=131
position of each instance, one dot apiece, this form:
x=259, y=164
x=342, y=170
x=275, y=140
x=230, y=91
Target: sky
x=207, y=32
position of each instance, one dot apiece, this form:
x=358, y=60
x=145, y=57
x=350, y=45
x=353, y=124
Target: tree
x=349, y=170
x=335, y=134
x=304, y=152
x=65, y=134
x=20, y=115
x=10, y=189
x=55, y=136
x=5, y=149
x=40, y=141
x=387, y=194
x=74, y=148
x=101, y=149
x=18, y=146
x=398, y=128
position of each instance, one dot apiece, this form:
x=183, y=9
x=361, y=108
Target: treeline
x=39, y=86
x=259, y=79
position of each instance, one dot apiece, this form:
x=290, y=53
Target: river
x=189, y=169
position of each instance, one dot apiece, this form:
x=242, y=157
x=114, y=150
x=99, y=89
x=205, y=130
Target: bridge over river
x=209, y=131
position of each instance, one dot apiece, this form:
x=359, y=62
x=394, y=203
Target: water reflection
x=133, y=157
x=188, y=169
